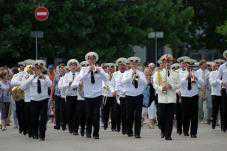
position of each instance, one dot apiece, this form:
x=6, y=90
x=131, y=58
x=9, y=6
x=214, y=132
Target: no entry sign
x=41, y=13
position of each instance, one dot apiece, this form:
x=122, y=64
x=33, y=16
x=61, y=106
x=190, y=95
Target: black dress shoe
x=193, y=136
x=96, y=137
x=130, y=135
x=20, y=131
x=42, y=139
x=82, y=133
x=179, y=132
x=63, y=128
x=25, y=133
x=137, y=136
x=162, y=135
x=35, y=137
x=186, y=134
x=168, y=138
x=57, y=127
x=88, y=135
x=75, y=133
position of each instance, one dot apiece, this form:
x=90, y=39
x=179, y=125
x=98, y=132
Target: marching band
x=86, y=95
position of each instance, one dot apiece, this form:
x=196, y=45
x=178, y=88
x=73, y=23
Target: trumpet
x=135, y=77
x=94, y=68
x=192, y=76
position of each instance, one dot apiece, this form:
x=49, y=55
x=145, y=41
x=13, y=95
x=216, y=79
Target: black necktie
x=135, y=83
x=39, y=86
x=168, y=73
x=92, y=77
x=189, y=83
x=73, y=76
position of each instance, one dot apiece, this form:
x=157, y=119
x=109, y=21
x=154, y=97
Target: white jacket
x=172, y=79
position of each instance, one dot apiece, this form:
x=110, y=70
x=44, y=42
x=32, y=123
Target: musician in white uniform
x=189, y=89
x=38, y=85
x=118, y=91
x=27, y=101
x=166, y=82
x=81, y=103
x=215, y=84
x=223, y=77
x=135, y=82
x=109, y=100
x=16, y=81
x=71, y=96
x=92, y=78
x=60, y=109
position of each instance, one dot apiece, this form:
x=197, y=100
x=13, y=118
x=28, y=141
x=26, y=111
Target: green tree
x=109, y=27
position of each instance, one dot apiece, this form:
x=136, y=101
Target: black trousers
x=27, y=118
x=39, y=112
x=216, y=106
x=108, y=111
x=81, y=114
x=190, y=114
x=166, y=112
x=72, y=118
x=179, y=116
x=20, y=115
x=123, y=114
x=134, y=114
x=116, y=117
x=60, y=113
x=93, y=116
x=224, y=110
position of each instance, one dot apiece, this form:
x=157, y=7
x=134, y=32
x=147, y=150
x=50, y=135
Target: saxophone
x=81, y=89
x=161, y=81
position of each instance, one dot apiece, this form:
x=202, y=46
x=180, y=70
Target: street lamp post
x=156, y=35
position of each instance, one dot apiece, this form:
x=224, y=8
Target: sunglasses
x=84, y=65
x=73, y=64
x=134, y=61
x=91, y=57
x=110, y=66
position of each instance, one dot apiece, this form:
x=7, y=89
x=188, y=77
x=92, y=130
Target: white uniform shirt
x=117, y=86
x=32, y=84
x=67, y=79
x=223, y=74
x=91, y=90
x=173, y=79
x=127, y=81
x=184, y=85
x=215, y=83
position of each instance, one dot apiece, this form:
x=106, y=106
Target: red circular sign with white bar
x=41, y=13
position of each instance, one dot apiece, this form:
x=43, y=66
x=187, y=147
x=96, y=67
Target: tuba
x=17, y=93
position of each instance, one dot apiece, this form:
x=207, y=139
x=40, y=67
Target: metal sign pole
x=156, y=49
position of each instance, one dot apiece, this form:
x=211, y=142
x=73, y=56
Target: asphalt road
x=208, y=140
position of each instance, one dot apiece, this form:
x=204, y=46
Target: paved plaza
x=208, y=140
